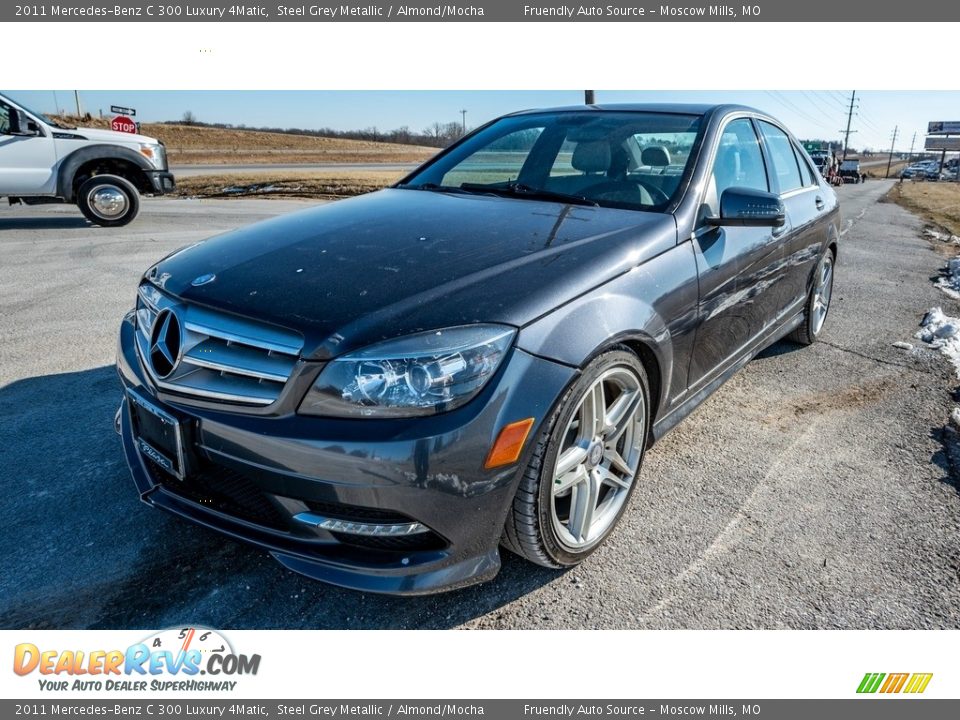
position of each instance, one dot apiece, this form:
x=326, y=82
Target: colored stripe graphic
x=894, y=683
x=918, y=682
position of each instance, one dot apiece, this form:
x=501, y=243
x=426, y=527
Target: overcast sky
x=809, y=114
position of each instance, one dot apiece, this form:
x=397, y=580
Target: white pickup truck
x=101, y=171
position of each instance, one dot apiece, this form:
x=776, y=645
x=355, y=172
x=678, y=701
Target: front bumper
x=249, y=476
x=161, y=181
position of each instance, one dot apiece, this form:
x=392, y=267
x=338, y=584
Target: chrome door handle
x=820, y=203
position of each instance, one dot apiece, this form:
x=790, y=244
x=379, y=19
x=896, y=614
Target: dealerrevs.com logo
x=178, y=659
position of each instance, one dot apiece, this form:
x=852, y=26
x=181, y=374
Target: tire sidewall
x=121, y=184
x=554, y=548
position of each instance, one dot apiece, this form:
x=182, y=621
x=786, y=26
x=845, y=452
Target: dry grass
x=879, y=171
x=187, y=145
x=936, y=202
x=329, y=184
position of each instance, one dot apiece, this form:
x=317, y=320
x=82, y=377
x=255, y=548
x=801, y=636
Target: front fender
x=72, y=162
x=654, y=304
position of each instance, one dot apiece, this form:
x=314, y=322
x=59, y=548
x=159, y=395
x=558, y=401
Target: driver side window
x=738, y=163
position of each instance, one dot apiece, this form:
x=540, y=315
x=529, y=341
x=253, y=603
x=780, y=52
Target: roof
x=674, y=108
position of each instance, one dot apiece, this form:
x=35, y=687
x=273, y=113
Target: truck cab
x=103, y=172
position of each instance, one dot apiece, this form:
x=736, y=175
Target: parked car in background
x=102, y=172
x=383, y=391
x=850, y=171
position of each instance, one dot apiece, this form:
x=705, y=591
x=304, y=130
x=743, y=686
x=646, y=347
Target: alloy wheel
x=821, y=294
x=599, y=458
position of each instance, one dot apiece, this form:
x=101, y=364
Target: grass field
x=320, y=184
x=188, y=145
x=937, y=202
x=879, y=171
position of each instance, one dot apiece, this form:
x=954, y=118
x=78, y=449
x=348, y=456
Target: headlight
x=155, y=153
x=420, y=374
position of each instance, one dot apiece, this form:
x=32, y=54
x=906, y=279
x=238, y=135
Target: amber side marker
x=509, y=444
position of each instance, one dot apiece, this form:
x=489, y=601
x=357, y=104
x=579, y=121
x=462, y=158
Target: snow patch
x=949, y=282
x=943, y=237
x=942, y=332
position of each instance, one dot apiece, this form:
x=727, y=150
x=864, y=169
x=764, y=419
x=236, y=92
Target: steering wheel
x=621, y=187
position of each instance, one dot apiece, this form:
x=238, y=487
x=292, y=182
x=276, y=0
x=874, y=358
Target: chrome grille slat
x=224, y=357
x=214, y=354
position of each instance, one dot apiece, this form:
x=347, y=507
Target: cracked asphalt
x=816, y=489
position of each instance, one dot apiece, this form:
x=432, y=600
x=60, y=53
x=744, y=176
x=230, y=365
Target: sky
x=810, y=114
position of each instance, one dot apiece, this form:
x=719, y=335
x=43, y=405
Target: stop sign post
x=121, y=123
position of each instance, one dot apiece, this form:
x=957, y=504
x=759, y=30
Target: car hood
x=357, y=271
x=110, y=136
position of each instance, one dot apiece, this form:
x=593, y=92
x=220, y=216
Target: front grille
x=222, y=489
x=222, y=357
x=406, y=543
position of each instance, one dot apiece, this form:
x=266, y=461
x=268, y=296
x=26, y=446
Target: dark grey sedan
x=384, y=391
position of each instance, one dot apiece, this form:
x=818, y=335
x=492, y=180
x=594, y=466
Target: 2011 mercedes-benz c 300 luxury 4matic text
x=385, y=390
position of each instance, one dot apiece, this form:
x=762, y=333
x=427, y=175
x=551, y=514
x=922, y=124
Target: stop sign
x=121, y=123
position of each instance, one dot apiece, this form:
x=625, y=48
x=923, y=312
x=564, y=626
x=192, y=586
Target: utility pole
x=912, y=143
x=588, y=97
x=890, y=157
x=463, y=114
x=76, y=96
x=846, y=135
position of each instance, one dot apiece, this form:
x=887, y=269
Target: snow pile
x=942, y=332
x=950, y=281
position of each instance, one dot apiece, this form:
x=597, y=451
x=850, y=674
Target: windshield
x=632, y=160
x=40, y=116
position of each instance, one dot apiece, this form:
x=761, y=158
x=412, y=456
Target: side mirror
x=744, y=207
x=20, y=124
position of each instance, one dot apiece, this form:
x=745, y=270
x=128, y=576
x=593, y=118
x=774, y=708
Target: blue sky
x=819, y=113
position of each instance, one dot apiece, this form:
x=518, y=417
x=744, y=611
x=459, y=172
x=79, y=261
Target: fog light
x=509, y=444
x=350, y=527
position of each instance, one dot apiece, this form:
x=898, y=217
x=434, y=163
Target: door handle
x=820, y=204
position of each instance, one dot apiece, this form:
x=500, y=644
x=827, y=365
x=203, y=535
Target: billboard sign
x=943, y=127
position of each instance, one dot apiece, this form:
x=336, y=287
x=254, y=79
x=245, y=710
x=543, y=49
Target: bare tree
x=189, y=118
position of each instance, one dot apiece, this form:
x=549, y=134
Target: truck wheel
x=108, y=200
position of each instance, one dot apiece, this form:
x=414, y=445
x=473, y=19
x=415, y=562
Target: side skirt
x=665, y=424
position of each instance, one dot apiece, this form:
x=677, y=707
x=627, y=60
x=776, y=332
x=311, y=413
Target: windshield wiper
x=516, y=189
x=434, y=187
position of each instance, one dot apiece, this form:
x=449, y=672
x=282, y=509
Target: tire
x=108, y=200
x=547, y=524
x=813, y=319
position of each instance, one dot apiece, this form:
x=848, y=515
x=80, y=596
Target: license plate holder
x=159, y=435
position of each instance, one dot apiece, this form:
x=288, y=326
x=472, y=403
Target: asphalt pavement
x=813, y=490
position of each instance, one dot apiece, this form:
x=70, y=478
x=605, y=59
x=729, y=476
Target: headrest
x=655, y=156
x=592, y=156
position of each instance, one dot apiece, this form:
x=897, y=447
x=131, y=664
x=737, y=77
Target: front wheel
x=108, y=200
x=818, y=303
x=585, y=465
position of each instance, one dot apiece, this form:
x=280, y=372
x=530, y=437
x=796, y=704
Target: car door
x=805, y=205
x=738, y=267
x=27, y=162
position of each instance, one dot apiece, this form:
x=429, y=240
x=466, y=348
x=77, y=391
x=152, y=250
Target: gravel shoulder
x=814, y=490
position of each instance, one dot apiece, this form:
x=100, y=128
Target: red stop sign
x=121, y=123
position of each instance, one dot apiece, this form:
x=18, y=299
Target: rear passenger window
x=784, y=161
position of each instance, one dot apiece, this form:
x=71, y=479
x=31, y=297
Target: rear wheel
x=585, y=465
x=108, y=200
x=818, y=303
